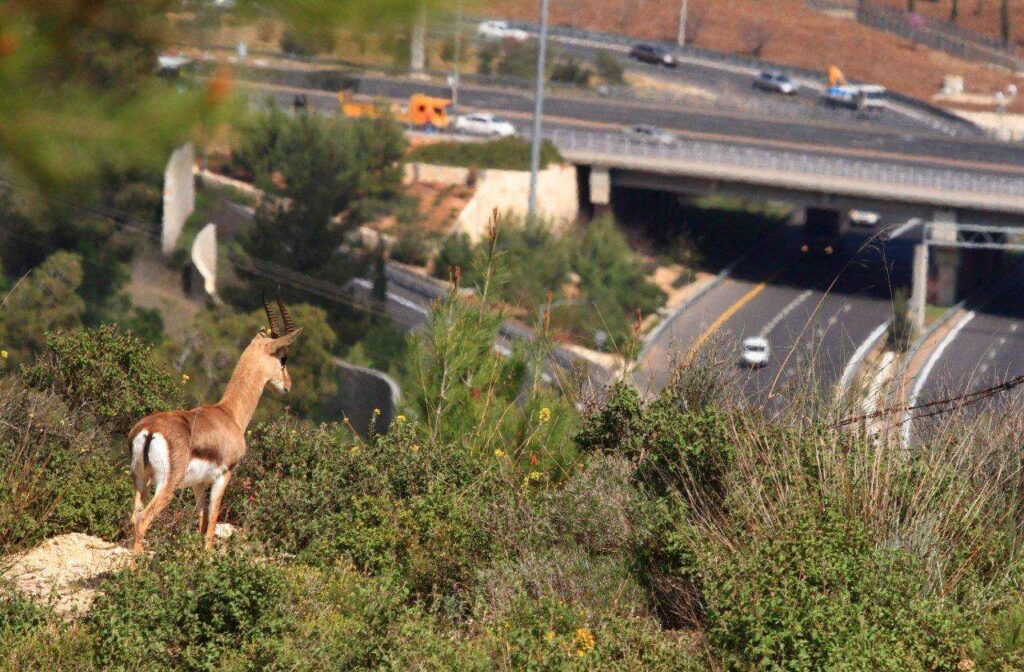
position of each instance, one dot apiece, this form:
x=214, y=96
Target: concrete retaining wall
x=506, y=190
x=179, y=196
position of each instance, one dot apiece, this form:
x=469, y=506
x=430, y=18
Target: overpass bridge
x=994, y=193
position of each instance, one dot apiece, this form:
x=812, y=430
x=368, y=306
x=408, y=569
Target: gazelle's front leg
x=216, y=493
x=201, y=507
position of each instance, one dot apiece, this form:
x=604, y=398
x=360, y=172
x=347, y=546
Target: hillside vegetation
x=496, y=526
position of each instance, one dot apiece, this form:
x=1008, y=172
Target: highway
x=982, y=348
x=814, y=137
x=815, y=313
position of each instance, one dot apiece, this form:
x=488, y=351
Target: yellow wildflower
x=550, y=636
x=499, y=453
x=400, y=419
x=536, y=475
x=354, y=450
x=376, y=412
x=184, y=378
x=3, y=354
x=545, y=414
x=415, y=448
x=584, y=641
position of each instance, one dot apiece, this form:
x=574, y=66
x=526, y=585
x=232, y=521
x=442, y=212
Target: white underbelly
x=201, y=472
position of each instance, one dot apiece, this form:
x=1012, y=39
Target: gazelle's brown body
x=200, y=448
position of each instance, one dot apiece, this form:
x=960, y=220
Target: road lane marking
x=903, y=228
x=927, y=370
x=790, y=307
x=858, y=355
x=391, y=296
x=724, y=317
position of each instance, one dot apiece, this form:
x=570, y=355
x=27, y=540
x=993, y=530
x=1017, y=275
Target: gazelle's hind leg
x=142, y=497
x=160, y=465
x=162, y=497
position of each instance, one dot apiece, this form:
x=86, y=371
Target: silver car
x=774, y=80
x=649, y=135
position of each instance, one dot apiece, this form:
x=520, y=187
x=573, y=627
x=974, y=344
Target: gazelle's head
x=270, y=354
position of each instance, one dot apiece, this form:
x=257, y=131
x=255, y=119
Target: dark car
x=653, y=53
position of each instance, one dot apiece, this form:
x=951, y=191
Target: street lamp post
x=681, y=39
x=538, y=109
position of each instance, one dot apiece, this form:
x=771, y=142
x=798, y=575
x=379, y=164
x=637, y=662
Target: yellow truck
x=421, y=111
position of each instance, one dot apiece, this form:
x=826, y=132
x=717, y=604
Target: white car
x=756, y=352
x=500, y=30
x=649, y=135
x=864, y=219
x=484, y=124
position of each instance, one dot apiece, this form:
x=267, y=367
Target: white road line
x=903, y=228
x=927, y=370
x=858, y=355
x=400, y=300
x=785, y=311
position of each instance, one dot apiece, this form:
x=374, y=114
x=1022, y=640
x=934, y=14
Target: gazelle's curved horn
x=289, y=326
x=275, y=329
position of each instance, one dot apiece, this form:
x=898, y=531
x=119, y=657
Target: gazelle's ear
x=278, y=343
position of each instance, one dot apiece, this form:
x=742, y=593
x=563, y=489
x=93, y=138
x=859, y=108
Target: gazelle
x=199, y=448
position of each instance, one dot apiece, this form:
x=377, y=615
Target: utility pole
x=456, y=55
x=681, y=39
x=418, y=43
x=538, y=109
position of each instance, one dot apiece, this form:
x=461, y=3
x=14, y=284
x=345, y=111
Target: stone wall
x=506, y=190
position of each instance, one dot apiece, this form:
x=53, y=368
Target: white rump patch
x=159, y=459
x=201, y=472
x=138, y=467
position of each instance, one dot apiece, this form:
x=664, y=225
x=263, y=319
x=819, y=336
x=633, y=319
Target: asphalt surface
x=815, y=312
x=984, y=352
x=922, y=148
x=730, y=86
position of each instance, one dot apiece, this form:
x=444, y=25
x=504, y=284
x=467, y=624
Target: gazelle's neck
x=243, y=392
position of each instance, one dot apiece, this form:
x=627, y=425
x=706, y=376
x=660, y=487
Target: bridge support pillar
x=919, y=290
x=600, y=189
x=947, y=271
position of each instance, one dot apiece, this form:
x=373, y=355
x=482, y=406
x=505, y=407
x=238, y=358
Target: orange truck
x=421, y=111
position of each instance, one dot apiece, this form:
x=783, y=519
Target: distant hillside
x=978, y=15
x=791, y=33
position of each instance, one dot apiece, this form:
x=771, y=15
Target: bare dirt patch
x=65, y=570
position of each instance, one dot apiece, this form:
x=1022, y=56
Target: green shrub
x=308, y=42
x=901, y=333
x=545, y=634
x=19, y=617
x=59, y=471
x=815, y=594
x=505, y=154
x=569, y=70
x=109, y=372
x=190, y=611
x=392, y=505
x=609, y=67
x=1001, y=646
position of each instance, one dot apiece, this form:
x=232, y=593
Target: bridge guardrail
x=714, y=153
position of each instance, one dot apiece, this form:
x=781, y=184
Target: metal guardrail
x=716, y=153
x=941, y=35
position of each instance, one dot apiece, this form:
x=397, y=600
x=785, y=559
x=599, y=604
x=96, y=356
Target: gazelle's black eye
x=284, y=359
